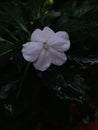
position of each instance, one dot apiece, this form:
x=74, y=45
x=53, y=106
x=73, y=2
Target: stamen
x=46, y=45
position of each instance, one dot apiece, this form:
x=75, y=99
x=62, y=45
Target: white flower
x=46, y=47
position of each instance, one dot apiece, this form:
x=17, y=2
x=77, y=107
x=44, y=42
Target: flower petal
x=37, y=36
x=57, y=58
x=62, y=34
x=47, y=32
x=43, y=62
x=59, y=43
x=31, y=50
x=42, y=35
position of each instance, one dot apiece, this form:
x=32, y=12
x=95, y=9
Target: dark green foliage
x=75, y=81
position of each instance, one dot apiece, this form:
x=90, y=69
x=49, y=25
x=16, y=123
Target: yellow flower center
x=46, y=45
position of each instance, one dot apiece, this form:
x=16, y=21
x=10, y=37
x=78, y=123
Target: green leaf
x=5, y=40
x=84, y=62
x=5, y=53
x=84, y=8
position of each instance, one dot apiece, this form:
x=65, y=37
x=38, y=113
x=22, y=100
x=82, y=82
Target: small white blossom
x=46, y=47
